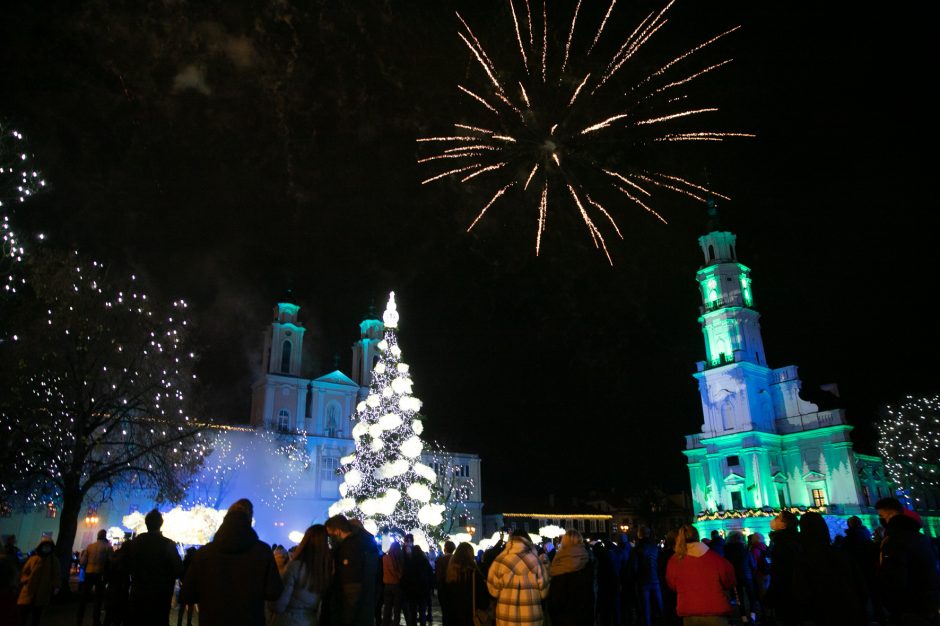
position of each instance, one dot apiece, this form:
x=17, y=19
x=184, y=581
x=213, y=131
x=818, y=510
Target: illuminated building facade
x=761, y=446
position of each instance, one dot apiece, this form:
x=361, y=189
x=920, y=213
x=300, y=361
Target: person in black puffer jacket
x=644, y=562
x=571, y=600
x=233, y=575
x=908, y=577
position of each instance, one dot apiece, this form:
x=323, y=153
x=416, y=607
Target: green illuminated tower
x=761, y=446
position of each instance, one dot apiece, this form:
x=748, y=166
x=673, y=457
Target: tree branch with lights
x=97, y=380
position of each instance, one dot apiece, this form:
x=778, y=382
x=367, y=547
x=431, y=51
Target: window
x=283, y=420
x=736, y=501
x=285, y=357
x=866, y=495
x=819, y=497
x=332, y=421
x=782, y=496
x=733, y=461
x=580, y=525
x=52, y=511
x=328, y=467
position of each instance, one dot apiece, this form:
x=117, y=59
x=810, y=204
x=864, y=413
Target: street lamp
x=91, y=517
x=471, y=530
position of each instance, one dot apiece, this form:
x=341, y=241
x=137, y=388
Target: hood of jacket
x=235, y=535
x=569, y=559
x=902, y=523
x=696, y=549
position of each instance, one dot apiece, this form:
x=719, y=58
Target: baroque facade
x=287, y=461
x=762, y=447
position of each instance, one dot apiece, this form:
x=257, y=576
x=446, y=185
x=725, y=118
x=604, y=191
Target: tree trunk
x=68, y=527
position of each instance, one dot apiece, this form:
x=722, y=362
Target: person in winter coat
x=863, y=555
x=644, y=562
x=416, y=583
x=782, y=596
x=826, y=582
x=440, y=579
x=39, y=578
x=736, y=553
x=756, y=574
x=233, y=575
x=352, y=596
x=701, y=579
x=306, y=578
x=154, y=566
x=910, y=589
x=571, y=602
x=519, y=582
x=94, y=559
x=393, y=564
x=607, y=577
x=669, y=595
x=464, y=587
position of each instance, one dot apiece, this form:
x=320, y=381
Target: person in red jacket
x=701, y=579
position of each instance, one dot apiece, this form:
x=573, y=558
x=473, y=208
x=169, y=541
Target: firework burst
x=557, y=121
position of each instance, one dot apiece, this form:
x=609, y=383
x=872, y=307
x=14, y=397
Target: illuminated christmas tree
x=385, y=483
x=909, y=444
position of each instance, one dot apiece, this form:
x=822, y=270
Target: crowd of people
x=338, y=576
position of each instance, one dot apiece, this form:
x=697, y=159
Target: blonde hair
x=686, y=535
x=571, y=538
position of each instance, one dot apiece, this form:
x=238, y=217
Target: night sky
x=227, y=151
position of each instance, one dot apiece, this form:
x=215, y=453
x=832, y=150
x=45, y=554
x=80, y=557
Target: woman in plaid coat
x=519, y=582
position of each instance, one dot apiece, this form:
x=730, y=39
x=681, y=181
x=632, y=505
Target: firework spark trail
x=544, y=41
x=543, y=211
x=701, y=136
x=604, y=124
x=456, y=171
x=475, y=129
x=453, y=138
x=603, y=24
x=595, y=233
x=578, y=90
x=641, y=203
x=505, y=138
x=488, y=168
x=628, y=181
x=525, y=96
x=685, y=55
x=499, y=88
x=633, y=50
x=679, y=179
x=489, y=204
x=477, y=42
x=528, y=11
x=666, y=118
x=689, y=79
x=478, y=99
x=531, y=174
x=472, y=147
x=450, y=156
x=515, y=21
x=604, y=211
x=574, y=20
x=671, y=187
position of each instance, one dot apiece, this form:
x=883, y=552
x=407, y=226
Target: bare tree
x=96, y=383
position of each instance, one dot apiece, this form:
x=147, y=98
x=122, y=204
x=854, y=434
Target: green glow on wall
x=746, y=289
x=710, y=289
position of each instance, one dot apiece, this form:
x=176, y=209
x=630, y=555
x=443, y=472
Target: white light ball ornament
x=396, y=351
x=390, y=317
x=361, y=407
x=359, y=430
x=390, y=421
x=401, y=385
x=402, y=368
x=419, y=492
x=373, y=400
x=412, y=447
x=431, y=514
x=353, y=478
x=375, y=430
x=417, y=426
x=382, y=345
x=409, y=403
x=425, y=472
x=379, y=368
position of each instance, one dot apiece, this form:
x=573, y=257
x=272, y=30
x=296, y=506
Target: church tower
x=364, y=351
x=279, y=396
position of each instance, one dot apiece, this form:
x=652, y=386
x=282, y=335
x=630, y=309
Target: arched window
x=711, y=253
x=283, y=420
x=727, y=415
x=285, y=357
x=332, y=420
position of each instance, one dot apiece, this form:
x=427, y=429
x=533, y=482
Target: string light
x=909, y=444
x=19, y=181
